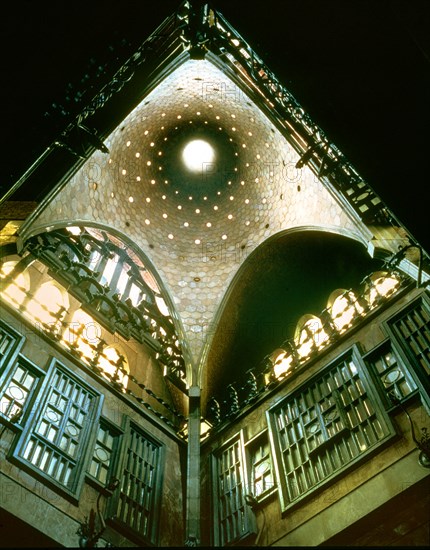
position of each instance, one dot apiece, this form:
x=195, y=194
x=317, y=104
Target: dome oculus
x=196, y=154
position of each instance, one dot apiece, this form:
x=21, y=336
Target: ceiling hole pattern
x=196, y=226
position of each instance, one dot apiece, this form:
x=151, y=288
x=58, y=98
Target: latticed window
x=54, y=444
x=323, y=428
x=103, y=459
x=136, y=504
x=17, y=388
x=392, y=374
x=413, y=330
x=233, y=519
x=261, y=468
x=8, y=342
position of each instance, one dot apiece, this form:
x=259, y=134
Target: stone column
x=192, y=535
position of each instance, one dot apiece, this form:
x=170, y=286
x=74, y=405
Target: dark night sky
x=360, y=68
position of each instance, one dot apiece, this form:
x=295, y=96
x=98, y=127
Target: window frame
x=352, y=354
x=86, y=445
x=112, y=519
x=421, y=379
x=118, y=435
x=13, y=348
x=16, y=361
x=250, y=445
x=385, y=347
x=251, y=527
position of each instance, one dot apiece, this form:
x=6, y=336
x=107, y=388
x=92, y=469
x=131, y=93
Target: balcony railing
x=313, y=334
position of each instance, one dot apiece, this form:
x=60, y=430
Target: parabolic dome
x=197, y=176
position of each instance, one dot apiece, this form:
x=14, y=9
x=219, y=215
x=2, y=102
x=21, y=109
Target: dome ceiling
x=196, y=218
x=227, y=199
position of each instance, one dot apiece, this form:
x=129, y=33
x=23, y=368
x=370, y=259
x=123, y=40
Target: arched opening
x=283, y=280
x=117, y=285
x=282, y=363
x=343, y=307
x=381, y=284
x=47, y=305
x=114, y=366
x=83, y=335
x=310, y=336
x=16, y=291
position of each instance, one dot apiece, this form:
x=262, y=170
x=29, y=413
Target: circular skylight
x=197, y=154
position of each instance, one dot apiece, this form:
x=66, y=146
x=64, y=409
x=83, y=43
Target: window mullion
x=63, y=423
x=116, y=274
x=127, y=288
x=341, y=422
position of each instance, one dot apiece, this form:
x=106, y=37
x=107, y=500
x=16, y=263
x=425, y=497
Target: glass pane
x=331, y=432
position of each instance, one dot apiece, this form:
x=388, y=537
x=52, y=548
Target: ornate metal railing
x=264, y=376
x=69, y=335
x=311, y=142
x=79, y=263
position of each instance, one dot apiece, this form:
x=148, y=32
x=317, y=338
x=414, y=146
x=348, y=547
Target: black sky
x=360, y=68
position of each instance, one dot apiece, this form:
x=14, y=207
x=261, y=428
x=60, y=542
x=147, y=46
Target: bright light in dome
x=197, y=154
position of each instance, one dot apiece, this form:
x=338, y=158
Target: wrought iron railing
x=289, y=357
x=79, y=263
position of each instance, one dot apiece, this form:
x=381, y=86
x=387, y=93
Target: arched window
x=381, y=285
x=310, y=336
x=115, y=365
x=282, y=362
x=344, y=309
x=83, y=335
x=15, y=292
x=47, y=305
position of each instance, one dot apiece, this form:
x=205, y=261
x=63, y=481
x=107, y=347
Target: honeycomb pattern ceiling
x=196, y=222
x=227, y=197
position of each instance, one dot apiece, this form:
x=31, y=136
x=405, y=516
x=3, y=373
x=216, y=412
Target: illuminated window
x=310, y=336
x=136, y=294
x=344, y=309
x=197, y=155
x=413, y=327
x=109, y=270
x=52, y=446
x=260, y=466
x=381, y=285
x=392, y=374
x=411, y=331
x=15, y=292
x=321, y=429
x=114, y=365
x=9, y=342
x=282, y=363
x=47, y=305
x=161, y=304
x=233, y=520
x=83, y=335
x=113, y=285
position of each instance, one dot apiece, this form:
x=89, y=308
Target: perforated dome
x=197, y=227
x=230, y=198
